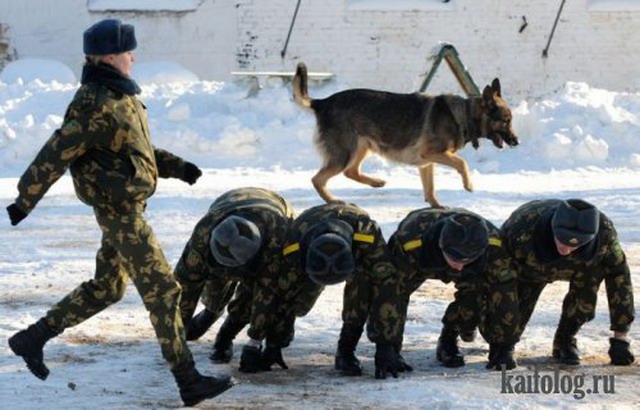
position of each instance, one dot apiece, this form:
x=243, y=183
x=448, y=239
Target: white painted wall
x=374, y=46
x=203, y=40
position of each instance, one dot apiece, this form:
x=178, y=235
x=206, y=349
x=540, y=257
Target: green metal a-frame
x=450, y=55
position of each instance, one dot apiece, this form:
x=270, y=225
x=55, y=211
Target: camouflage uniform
x=486, y=288
x=529, y=239
x=372, y=294
x=201, y=276
x=104, y=140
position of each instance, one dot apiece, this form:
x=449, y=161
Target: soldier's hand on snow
x=250, y=359
x=191, y=173
x=15, y=214
x=272, y=355
x=620, y=352
x=386, y=361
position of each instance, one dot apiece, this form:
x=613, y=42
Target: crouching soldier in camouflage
x=326, y=245
x=572, y=241
x=104, y=140
x=239, y=240
x=456, y=245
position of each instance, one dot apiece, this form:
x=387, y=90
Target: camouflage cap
x=329, y=257
x=464, y=237
x=575, y=222
x=235, y=241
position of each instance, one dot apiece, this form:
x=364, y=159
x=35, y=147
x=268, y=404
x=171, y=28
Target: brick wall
x=389, y=49
x=385, y=49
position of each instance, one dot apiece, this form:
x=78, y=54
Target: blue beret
x=109, y=36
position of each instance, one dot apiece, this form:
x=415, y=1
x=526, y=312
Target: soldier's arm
x=172, y=166
x=192, y=270
x=385, y=309
x=618, y=284
x=503, y=314
x=79, y=132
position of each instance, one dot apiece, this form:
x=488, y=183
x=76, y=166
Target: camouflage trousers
x=129, y=249
x=578, y=307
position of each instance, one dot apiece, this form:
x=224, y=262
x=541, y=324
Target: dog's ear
x=495, y=85
x=487, y=96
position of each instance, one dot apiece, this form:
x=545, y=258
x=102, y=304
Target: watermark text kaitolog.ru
x=579, y=385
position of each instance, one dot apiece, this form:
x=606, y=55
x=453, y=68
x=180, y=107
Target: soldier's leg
x=107, y=287
x=239, y=315
x=152, y=276
x=148, y=268
x=528, y=295
x=355, y=309
x=462, y=315
x=578, y=307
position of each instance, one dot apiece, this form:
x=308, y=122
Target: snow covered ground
x=579, y=142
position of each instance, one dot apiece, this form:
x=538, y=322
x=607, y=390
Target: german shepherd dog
x=414, y=129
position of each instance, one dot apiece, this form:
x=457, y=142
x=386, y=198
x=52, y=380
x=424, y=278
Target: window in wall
x=401, y=4
x=613, y=5
x=144, y=5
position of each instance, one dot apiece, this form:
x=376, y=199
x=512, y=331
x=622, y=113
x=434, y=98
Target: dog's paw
x=469, y=186
x=377, y=183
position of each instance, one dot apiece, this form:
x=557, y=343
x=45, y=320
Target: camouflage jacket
x=529, y=239
x=373, y=267
x=416, y=252
x=269, y=211
x=104, y=140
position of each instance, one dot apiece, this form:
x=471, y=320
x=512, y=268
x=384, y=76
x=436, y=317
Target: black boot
x=447, y=351
x=346, y=361
x=501, y=356
x=565, y=349
x=195, y=387
x=222, y=351
x=468, y=336
x=29, y=344
x=200, y=324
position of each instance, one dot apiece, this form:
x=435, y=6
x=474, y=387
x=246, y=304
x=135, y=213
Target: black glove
x=250, y=359
x=272, y=355
x=620, y=353
x=200, y=323
x=191, y=173
x=386, y=360
x=15, y=214
x=501, y=355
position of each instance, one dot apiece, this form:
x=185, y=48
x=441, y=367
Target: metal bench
x=252, y=78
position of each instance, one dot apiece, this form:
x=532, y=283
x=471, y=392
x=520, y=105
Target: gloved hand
x=15, y=214
x=191, y=173
x=250, y=359
x=199, y=324
x=272, y=355
x=620, y=353
x=501, y=355
x=386, y=361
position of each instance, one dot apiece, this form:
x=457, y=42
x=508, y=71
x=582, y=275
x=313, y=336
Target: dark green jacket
x=270, y=212
x=416, y=252
x=529, y=239
x=104, y=140
x=374, y=270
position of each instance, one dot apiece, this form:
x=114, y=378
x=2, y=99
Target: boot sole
x=193, y=401
x=35, y=366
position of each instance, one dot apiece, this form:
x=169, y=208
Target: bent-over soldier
x=459, y=246
x=330, y=244
x=572, y=241
x=239, y=240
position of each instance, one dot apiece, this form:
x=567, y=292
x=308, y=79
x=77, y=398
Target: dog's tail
x=300, y=93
